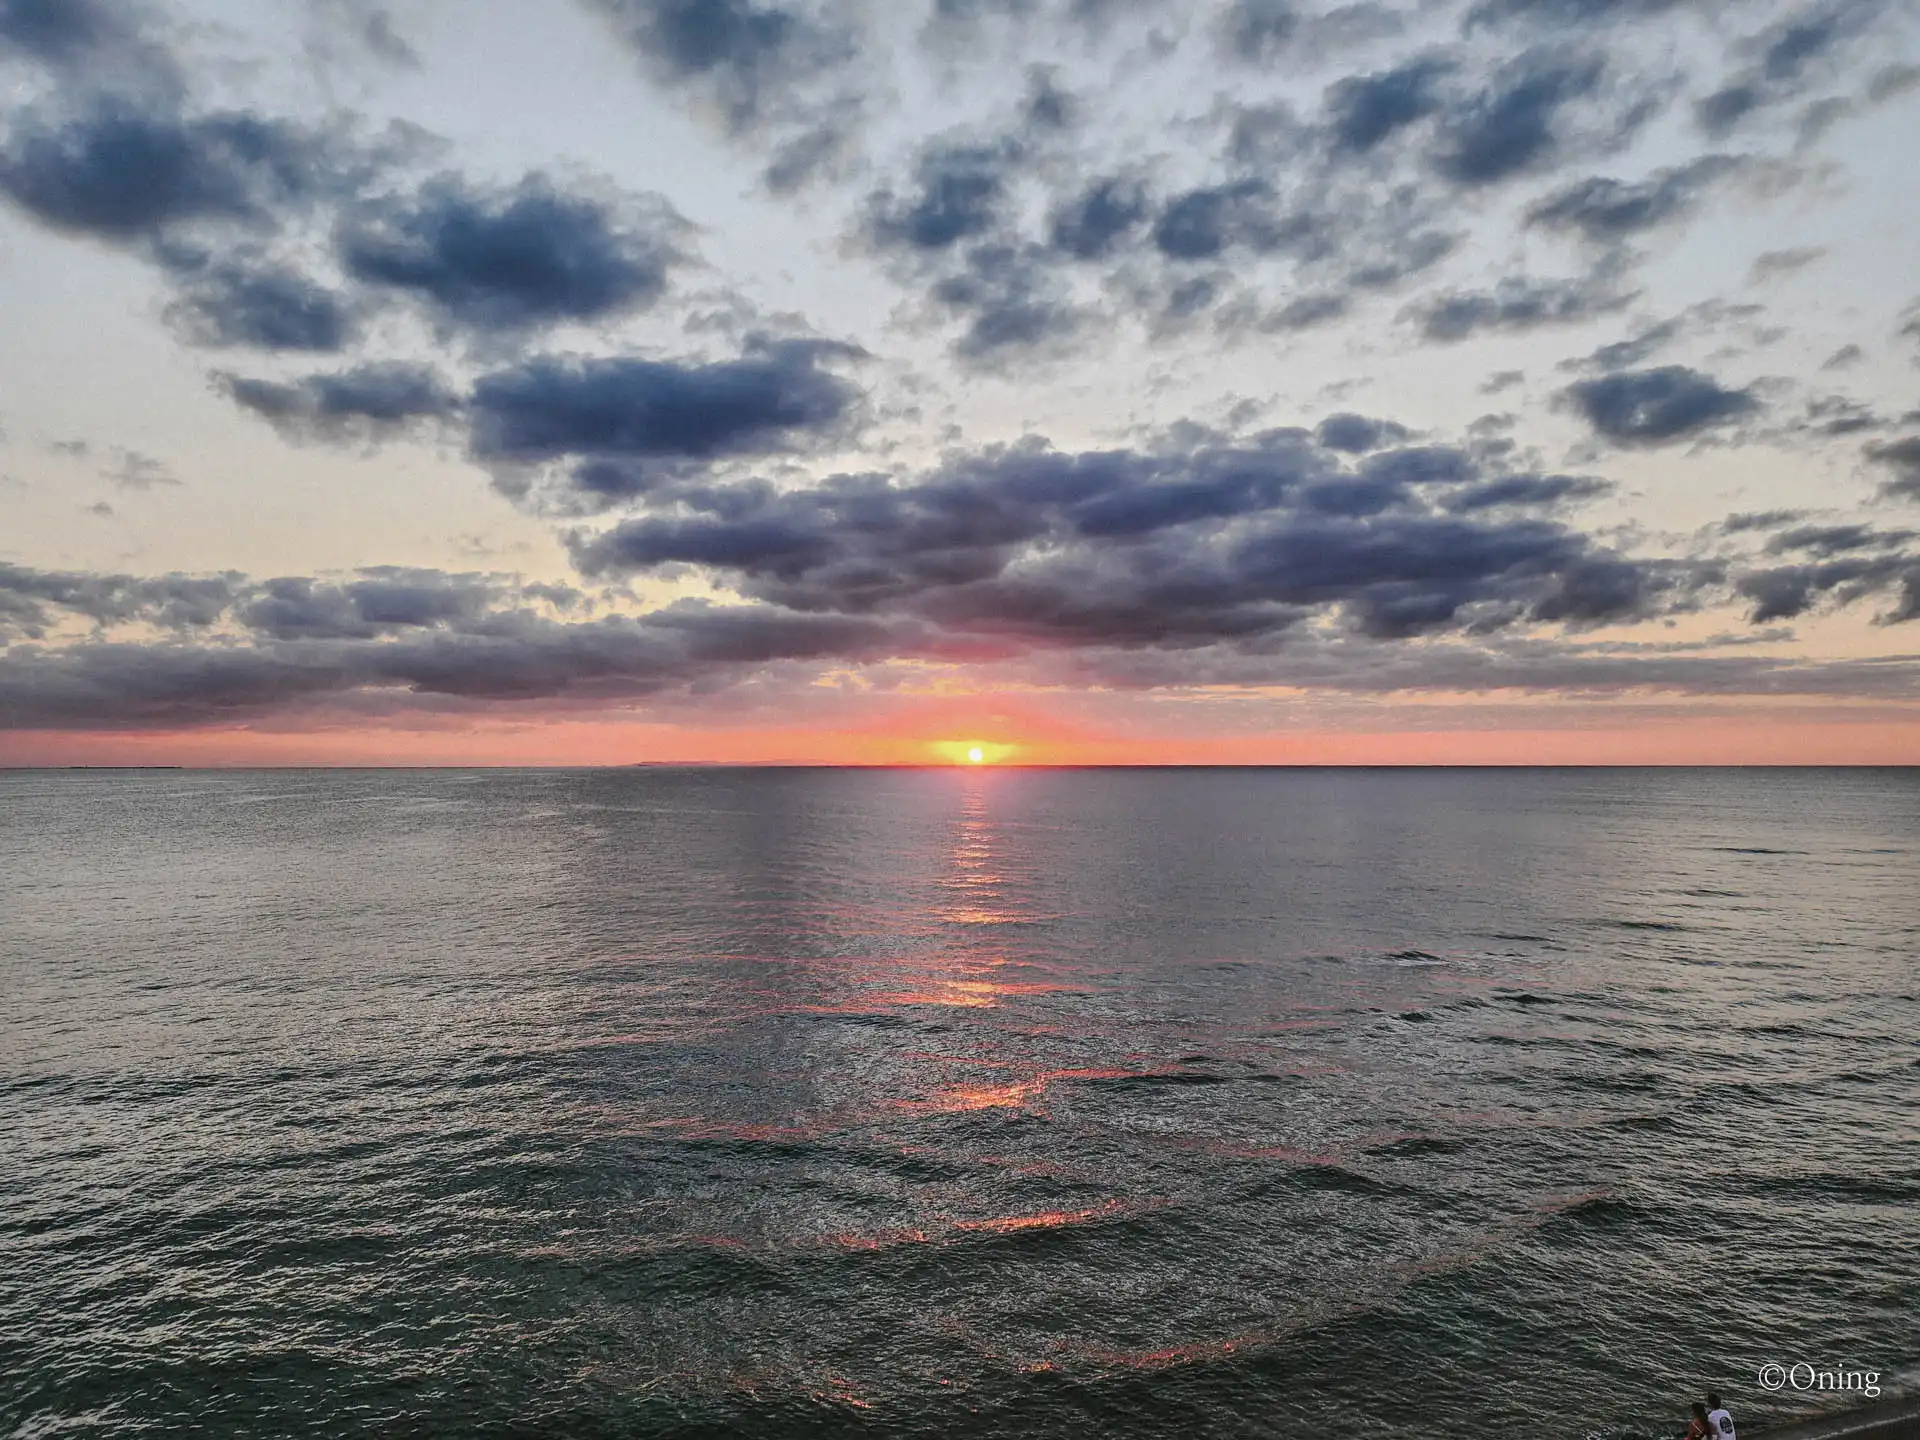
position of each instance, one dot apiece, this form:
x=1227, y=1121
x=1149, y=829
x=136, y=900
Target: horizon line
x=1012, y=765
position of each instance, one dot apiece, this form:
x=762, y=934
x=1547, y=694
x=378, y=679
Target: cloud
x=1903, y=458
x=133, y=471
x=1657, y=406
x=1785, y=592
x=1202, y=223
x=1198, y=565
x=616, y=426
x=510, y=260
x=1512, y=125
x=784, y=72
x=1542, y=490
x=1826, y=541
x=91, y=42
x=205, y=198
x=1570, y=13
x=379, y=602
x=1010, y=302
x=959, y=188
x=1606, y=211
x=34, y=602
x=743, y=55
x=1364, y=111
x=1519, y=303
x=1092, y=224
x=1225, y=541
x=1352, y=434
x=370, y=28
x=1257, y=30
x=128, y=170
x=1788, y=56
x=1772, y=264
x=1636, y=349
x=1845, y=356
x=585, y=431
x=244, y=298
x=57, y=31
x=365, y=402
x=236, y=210
x=435, y=652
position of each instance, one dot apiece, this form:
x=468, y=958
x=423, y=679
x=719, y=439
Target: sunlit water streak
x=1023, y=1103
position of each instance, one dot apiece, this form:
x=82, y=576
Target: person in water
x=1699, y=1427
x=1718, y=1418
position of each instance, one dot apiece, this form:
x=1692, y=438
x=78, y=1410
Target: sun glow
x=969, y=754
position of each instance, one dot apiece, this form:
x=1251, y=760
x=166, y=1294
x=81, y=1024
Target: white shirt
x=1722, y=1424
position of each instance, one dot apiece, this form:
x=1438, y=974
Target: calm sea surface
x=1048, y=1103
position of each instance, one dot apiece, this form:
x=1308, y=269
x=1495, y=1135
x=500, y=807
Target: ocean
x=688, y=1102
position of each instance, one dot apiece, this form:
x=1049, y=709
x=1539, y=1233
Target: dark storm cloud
x=508, y=260
x=364, y=402
x=1658, y=406
x=1606, y=210
x=1519, y=304
x=618, y=424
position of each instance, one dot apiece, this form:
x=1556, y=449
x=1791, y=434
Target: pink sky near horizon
x=608, y=742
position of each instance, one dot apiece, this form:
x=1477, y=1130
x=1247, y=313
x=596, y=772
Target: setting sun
x=976, y=756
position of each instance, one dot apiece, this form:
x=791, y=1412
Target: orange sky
x=1022, y=738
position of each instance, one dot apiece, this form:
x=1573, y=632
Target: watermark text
x=1804, y=1375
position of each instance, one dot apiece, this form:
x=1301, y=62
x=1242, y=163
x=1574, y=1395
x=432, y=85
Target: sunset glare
x=976, y=756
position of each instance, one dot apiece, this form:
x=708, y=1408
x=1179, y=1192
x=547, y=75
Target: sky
x=1077, y=381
